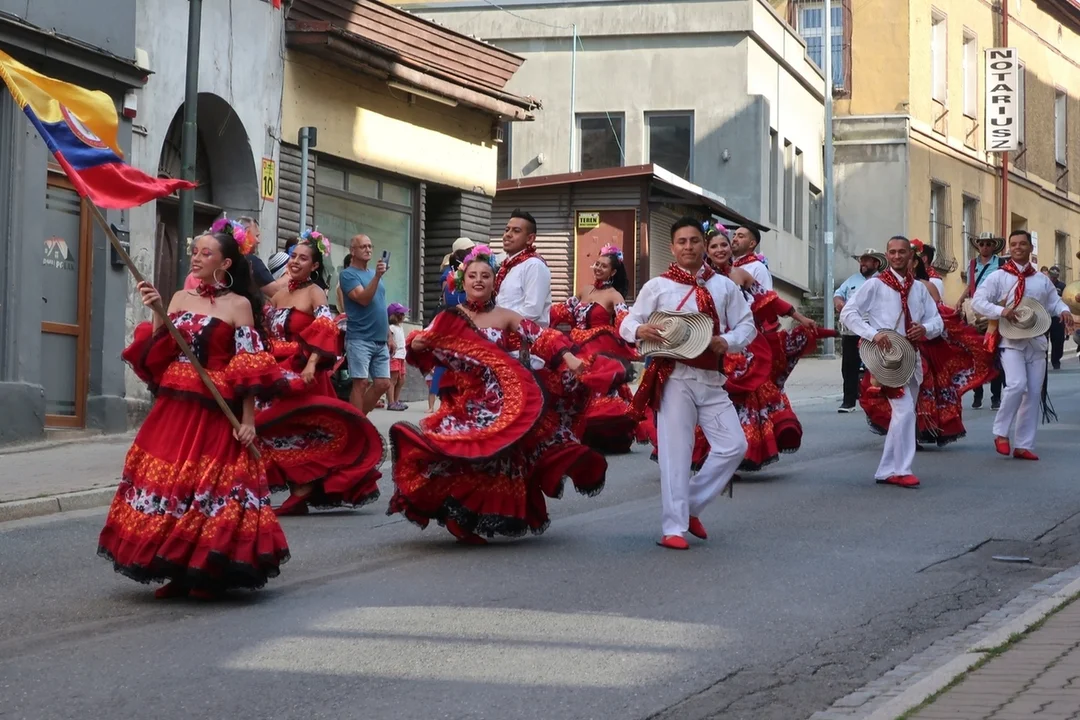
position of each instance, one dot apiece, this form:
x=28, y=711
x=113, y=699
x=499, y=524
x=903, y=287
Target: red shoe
x=697, y=529
x=172, y=589
x=1024, y=455
x=904, y=481
x=1001, y=445
x=674, y=542
x=294, y=505
x=464, y=536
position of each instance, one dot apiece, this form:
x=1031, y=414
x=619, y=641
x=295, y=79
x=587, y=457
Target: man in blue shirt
x=979, y=268
x=870, y=262
x=368, y=326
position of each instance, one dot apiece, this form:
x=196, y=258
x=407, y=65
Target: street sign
x=588, y=219
x=1002, y=100
x=269, y=185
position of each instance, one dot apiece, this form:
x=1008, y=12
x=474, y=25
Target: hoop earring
x=227, y=274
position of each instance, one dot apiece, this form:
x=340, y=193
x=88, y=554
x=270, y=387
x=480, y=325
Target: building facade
x=63, y=293
x=910, y=151
x=238, y=120
x=408, y=117
x=720, y=93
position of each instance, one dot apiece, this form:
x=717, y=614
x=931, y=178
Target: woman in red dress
x=332, y=458
x=193, y=505
x=593, y=319
x=502, y=439
x=952, y=363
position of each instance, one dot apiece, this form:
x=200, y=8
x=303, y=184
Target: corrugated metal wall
x=554, y=208
x=450, y=214
x=289, y=193
x=661, y=218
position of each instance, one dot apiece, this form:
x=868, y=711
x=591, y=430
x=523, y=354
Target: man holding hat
x=892, y=314
x=686, y=319
x=979, y=268
x=871, y=263
x=1021, y=300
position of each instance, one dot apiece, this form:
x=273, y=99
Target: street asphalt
x=814, y=581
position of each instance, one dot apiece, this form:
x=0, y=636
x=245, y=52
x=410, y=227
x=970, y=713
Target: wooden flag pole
x=159, y=309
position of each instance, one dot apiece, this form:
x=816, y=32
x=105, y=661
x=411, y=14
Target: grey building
x=62, y=294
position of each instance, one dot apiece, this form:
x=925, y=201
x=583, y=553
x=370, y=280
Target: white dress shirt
x=526, y=290
x=1000, y=286
x=940, y=285
x=876, y=306
x=660, y=293
x=760, y=273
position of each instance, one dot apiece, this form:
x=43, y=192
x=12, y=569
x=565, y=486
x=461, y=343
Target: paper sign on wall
x=269, y=185
x=587, y=220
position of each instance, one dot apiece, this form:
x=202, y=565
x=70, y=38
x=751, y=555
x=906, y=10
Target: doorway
x=65, y=297
x=593, y=229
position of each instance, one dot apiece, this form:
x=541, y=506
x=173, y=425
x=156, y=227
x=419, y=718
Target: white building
x=719, y=92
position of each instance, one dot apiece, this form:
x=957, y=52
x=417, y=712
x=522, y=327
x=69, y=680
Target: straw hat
x=999, y=242
x=686, y=335
x=1031, y=321
x=883, y=261
x=276, y=264
x=1071, y=296
x=893, y=367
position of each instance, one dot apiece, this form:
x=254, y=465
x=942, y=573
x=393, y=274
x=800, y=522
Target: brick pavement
x=1038, y=678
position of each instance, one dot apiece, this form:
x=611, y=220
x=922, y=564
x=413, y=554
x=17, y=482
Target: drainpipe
x=1005, y=224
x=189, y=142
x=830, y=195
x=307, y=141
x=573, y=94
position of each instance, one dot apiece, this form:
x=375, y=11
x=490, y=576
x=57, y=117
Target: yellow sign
x=588, y=220
x=269, y=185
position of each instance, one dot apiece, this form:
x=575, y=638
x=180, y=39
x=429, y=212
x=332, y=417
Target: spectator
x=340, y=298
x=396, y=313
x=1057, y=329
x=367, y=328
x=870, y=263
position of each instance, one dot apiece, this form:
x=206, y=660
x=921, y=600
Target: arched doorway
x=224, y=170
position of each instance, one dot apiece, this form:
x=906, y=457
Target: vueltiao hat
x=1031, y=321
x=893, y=367
x=686, y=335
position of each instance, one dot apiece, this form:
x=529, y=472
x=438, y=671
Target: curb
x=67, y=502
x=947, y=672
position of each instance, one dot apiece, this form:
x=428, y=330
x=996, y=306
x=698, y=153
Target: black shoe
x=847, y=409
x=995, y=405
x=1056, y=366
x=976, y=405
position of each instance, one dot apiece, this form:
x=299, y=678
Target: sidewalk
x=1034, y=677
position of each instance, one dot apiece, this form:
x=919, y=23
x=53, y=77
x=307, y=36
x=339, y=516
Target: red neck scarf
x=295, y=285
x=932, y=273
x=745, y=260
x=601, y=284
x=476, y=307
x=209, y=291
x=724, y=269
x=1021, y=279
x=506, y=267
x=901, y=286
x=701, y=293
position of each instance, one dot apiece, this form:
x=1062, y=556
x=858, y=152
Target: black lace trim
x=225, y=574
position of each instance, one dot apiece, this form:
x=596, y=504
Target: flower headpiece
x=456, y=281
x=316, y=239
x=714, y=228
x=918, y=245
x=612, y=250
x=240, y=234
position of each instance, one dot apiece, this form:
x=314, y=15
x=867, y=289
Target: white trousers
x=1024, y=369
x=685, y=404
x=899, y=451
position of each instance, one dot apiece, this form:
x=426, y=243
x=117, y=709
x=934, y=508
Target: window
x=1061, y=131
x=350, y=201
x=789, y=186
x=800, y=191
x=970, y=229
x=505, y=171
x=971, y=75
x=774, y=166
x=812, y=29
x=671, y=141
x=601, y=141
x=939, y=217
x=939, y=53
x=1061, y=255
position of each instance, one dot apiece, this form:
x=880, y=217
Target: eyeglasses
x=989, y=243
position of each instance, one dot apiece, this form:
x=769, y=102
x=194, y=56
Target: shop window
x=671, y=141
x=601, y=138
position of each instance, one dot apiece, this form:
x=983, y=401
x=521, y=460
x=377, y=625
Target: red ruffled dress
x=194, y=505
x=953, y=363
x=594, y=332
x=755, y=382
x=311, y=438
x=502, y=439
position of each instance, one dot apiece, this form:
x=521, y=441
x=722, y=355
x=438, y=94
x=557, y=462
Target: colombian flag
x=80, y=127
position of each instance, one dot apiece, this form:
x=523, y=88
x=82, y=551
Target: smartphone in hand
x=386, y=258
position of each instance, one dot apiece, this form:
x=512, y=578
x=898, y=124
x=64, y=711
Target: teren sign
x=1002, y=100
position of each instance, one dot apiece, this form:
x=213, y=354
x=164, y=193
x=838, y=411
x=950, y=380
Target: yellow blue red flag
x=80, y=127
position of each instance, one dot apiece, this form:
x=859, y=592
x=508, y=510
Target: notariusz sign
x=1002, y=100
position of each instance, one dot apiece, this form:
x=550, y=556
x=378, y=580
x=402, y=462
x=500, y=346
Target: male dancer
x=870, y=263
x=523, y=283
x=1024, y=361
x=894, y=300
x=979, y=269
x=744, y=245
x=688, y=393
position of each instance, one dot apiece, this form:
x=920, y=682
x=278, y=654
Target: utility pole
x=573, y=94
x=1005, y=216
x=830, y=195
x=189, y=141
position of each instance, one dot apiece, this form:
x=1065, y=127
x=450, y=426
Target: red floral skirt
x=606, y=426
x=502, y=493
x=193, y=505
